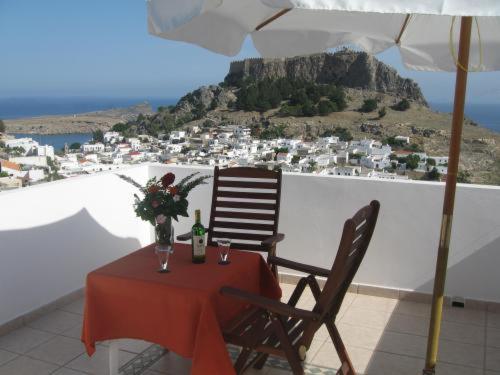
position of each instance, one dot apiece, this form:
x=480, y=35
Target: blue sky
x=59, y=48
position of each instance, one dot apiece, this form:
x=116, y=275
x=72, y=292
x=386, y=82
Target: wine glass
x=163, y=253
x=224, y=246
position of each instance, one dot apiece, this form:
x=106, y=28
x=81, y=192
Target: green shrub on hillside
x=403, y=105
x=369, y=105
x=291, y=97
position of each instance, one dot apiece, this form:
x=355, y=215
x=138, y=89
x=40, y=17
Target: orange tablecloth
x=181, y=310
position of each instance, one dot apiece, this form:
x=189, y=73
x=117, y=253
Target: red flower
x=155, y=204
x=167, y=180
x=153, y=189
x=173, y=190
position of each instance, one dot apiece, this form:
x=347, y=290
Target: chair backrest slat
x=245, y=206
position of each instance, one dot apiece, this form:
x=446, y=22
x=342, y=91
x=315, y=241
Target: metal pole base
x=429, y=371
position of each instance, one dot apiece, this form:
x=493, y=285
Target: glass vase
x=164, y=238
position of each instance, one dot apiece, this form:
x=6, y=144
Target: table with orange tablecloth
x=181, y=310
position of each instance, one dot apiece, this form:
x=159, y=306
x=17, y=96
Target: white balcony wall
x=52, y=235
x=403, y=251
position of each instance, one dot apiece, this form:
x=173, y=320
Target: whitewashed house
x=346, y=171
x=88, y=148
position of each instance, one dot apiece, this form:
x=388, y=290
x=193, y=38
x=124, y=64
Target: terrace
x=52, y=235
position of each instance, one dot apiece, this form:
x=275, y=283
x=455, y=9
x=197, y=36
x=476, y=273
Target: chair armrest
x=273, y=240
x=185, y=236
x=313, y=270
x=269, y=304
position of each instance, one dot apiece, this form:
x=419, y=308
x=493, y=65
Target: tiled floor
x=383, y=337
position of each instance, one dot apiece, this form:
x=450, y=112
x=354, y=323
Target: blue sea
x=486, y=115
x=12, y=108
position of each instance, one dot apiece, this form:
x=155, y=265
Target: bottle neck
x=197, y=217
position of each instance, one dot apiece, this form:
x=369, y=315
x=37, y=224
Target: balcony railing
x=52, y=235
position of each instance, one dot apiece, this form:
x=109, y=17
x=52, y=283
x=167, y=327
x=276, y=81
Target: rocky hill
x=345, y=68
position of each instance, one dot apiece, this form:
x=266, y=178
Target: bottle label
x=198, y=246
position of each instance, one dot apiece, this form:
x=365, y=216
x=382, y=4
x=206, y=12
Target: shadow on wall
x=394, y=336
x=41, y=264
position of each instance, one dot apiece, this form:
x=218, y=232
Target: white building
x=93, y=147
x=39, y=161
x=346, y=171
x=241, y=132
x=45, y=150
x=386, y=175
x=112, y=137
x=402, y=138
x=177, y=136
x=25, y=143
x=135, y=143
x=375, y=162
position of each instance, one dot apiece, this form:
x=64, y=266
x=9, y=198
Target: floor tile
x=493, y=320
x=172, y=364
x=493, y=337
x=6, y=356
x=74, y=332
x=464, y=315
x=98, y=364
x=374, y=303
x=27, y=366
x=67, y=371
x=59, y=350
x=75, y=307
x=458, y=353
x=381, y=363
x=131, y=345
x=466, y=333
x=448, y=369
x=493, y=359
x=23, y=339
x=57, y=321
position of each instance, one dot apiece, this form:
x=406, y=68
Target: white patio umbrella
x=425, y=31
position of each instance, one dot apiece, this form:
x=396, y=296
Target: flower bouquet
x=164, y=201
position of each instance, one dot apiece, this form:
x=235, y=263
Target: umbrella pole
x=449, y=196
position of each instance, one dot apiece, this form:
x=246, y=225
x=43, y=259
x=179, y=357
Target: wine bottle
x=198, y=240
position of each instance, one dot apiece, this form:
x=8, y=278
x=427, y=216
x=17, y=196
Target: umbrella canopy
x=423, y=30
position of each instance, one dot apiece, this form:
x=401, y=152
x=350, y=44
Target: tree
x=433, y=175
x=343, y=134
x=325, y=107
x=412, y=161
x=98, y=136
x=75, y=146
x=403, y=105
x=295, y=159
x=2, y=127
x=382, y=112
x=431, y=162
x=4, y=174
x=464, y=177
x=308, y=108
x=369, y=105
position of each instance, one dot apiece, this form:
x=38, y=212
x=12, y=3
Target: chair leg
x=340, y=348
x=291, y=354
x=239, y=365
x=260, y=361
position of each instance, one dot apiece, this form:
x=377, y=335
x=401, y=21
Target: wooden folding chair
x=282, y=329
x=245, y=209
